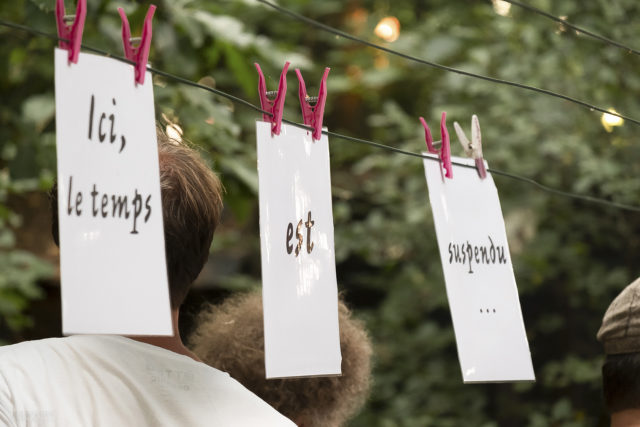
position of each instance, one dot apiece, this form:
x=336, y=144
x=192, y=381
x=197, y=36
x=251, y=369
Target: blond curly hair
x=230, y=337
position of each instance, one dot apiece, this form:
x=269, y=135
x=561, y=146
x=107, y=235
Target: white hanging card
x=481, y=288
x=112, y=257
x=299, y=289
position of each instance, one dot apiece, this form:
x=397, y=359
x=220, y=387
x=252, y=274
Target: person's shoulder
x=241, y=404
x=27, y=348
x=51, y=353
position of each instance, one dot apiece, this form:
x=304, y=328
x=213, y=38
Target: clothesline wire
x=568, y=24
x=248, y=104
x=351, y=37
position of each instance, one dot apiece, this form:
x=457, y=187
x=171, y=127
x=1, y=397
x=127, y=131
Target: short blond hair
x=191, y=210
x=230, y=337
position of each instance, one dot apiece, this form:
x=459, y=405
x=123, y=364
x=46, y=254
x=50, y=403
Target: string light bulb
x=388, y=29
x=609, y=121
x=500, y=7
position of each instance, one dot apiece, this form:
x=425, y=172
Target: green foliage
x=570, y=258
x=20, y=269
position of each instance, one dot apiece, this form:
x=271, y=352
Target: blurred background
x=570, y=258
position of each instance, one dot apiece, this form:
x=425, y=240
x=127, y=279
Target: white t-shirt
x=87, y=380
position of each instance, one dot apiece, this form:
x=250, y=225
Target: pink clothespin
x=72, y=33
x=312, y=116
x=445, y=149
x=473, y=149
x=138, y=54
x=276, y=106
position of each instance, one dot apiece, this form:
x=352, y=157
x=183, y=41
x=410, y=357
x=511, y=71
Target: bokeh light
x=388, y=29
x=501, y=7
x=174, y=132
x=609, y=121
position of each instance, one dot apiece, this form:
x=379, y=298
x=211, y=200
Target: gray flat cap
x=620, y=330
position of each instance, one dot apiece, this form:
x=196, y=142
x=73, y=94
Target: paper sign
x=481, y=287
x=299, y=288
x=112, y=258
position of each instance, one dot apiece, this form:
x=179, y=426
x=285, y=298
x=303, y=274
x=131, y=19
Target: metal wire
x=181, y=80
x=348, y=36
x=568, y=24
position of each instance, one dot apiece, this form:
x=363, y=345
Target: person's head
x=620, y=336
x=230, y=337
x=191, y=207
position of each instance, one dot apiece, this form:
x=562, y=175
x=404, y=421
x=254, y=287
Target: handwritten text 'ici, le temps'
x=102, y=125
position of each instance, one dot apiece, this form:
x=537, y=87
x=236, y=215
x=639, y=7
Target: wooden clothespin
x=138, y=54
x=473, y=149
x=445, y=149
x=276, y=106
x=72, y=34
